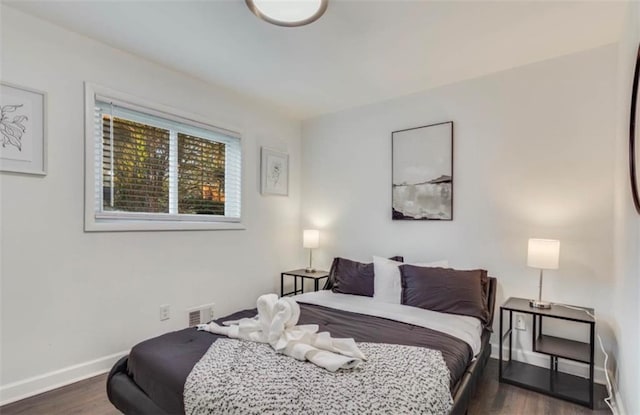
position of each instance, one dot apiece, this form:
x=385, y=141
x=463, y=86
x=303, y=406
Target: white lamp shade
x=543, y=253
x=311, y=238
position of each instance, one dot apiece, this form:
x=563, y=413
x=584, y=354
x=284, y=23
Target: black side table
x=549, y=381
x=316, y=276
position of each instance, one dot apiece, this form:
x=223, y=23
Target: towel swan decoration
x=275, y=324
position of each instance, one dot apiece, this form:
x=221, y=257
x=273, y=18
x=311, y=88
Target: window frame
x=96, y=220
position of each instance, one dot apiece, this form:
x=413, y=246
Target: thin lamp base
x=309, y=270
x=539, y=304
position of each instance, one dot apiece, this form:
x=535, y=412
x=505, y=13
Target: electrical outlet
x=165, y=312
x=520, y=324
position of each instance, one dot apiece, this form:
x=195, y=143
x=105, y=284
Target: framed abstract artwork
x=422, y=173
x=274, y=172
x=23, y=135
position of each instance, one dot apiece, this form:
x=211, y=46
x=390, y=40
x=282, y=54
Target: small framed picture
x=23, y=130
x=274, y=172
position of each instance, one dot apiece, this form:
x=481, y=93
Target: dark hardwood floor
x=86, y=397
x=89, y=397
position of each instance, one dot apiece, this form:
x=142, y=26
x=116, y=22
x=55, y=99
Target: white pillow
x=387, y=282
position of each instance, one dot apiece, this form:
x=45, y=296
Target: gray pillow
x=446, y=290
x=352, y=277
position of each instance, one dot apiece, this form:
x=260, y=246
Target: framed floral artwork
x=274, y=172
x=23, y=132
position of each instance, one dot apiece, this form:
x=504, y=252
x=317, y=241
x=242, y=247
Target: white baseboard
x=542, y=360
x=36, y=385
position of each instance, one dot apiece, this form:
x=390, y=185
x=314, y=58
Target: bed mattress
x=160, y=366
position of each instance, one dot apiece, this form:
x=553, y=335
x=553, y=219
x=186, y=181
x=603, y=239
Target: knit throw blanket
x=243, y=377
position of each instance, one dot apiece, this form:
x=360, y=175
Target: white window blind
x=155, y=166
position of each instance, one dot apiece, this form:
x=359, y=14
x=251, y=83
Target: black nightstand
x=549, y=381
x=316, y=276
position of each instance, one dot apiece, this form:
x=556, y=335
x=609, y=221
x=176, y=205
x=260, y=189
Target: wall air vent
x=200, y=315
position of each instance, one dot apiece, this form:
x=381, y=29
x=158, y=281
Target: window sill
x=133, y=226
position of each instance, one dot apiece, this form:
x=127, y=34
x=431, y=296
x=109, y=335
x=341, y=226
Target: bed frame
x=125, y=394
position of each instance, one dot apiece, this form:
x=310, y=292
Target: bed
x=151, y=379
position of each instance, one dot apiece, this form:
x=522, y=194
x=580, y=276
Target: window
x=152, y=169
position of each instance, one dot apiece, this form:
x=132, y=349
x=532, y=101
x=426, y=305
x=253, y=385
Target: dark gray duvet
x=160, y=366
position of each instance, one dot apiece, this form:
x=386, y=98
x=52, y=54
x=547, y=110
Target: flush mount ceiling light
x=288, y=13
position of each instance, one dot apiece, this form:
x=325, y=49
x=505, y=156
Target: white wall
x=626, y=294
x=73, y=298
x=533, y=158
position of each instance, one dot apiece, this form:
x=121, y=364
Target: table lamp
x=542, y=254
x=310, y=239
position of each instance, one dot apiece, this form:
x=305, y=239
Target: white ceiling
x=358, y=53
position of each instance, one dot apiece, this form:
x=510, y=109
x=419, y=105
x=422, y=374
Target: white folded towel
x=276, y=324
